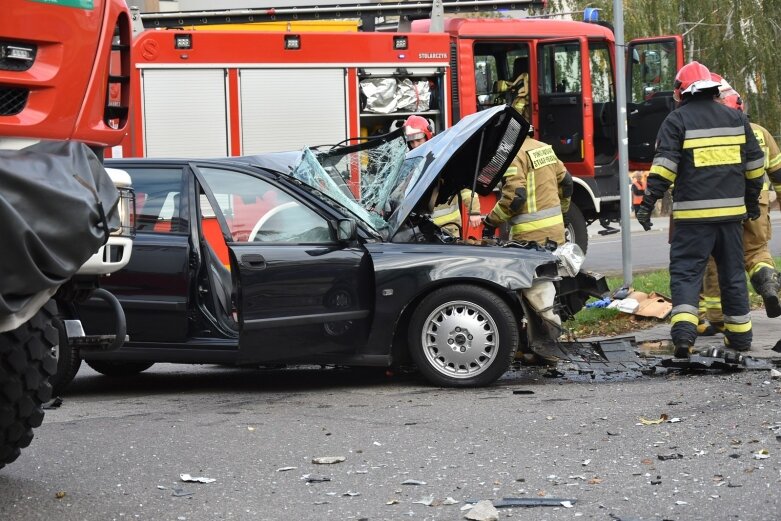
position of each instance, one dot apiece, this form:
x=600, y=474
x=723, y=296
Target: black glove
x=565, y=215
x=643, y=215
x=752, y=210
x=489, y=230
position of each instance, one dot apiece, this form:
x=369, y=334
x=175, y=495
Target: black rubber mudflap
x=26, y=363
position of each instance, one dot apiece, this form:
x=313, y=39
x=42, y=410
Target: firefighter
x=756, y=234
x=711, y=155
x=536, y=192
x=638, y=190
x=417, y=130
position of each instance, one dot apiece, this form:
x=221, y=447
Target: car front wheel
x=463, y=336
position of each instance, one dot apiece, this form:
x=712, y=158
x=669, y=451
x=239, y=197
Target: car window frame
x=301, y=198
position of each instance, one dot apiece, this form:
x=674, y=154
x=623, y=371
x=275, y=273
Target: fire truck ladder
x=434, y=9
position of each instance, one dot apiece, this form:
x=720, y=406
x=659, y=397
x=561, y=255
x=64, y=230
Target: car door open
x=298, y=288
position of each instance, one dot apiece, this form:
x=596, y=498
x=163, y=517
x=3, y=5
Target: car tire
x=26, y=363
x=119, y=369
x=479, y=344
x=68, y=361
x=576, y=230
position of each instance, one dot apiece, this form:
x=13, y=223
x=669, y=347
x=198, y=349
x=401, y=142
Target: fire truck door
x=651, y=67
x=184, y=112
x=564, y=94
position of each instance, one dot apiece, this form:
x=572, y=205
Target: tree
x=736, y=38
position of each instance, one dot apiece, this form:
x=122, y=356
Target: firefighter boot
x=706, y=328
x=683, y=350
x=767, y=283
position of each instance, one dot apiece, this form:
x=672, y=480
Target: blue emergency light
x=591, y=14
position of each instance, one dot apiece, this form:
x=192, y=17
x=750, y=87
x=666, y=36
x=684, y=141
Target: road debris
x=309, y=478
x=482, y=511
x=162, y=487
x=585, y=462
x=510, y=502
x=665, y=457
x=645, y=421
x=681, y=503
x=427, y=501
x=199, y=479
x=523, y=391
x=328, y=460
x=761, y=454
x=392, y=502
x=413, y=482
x=351, y=494
x=60, y=494
x=775, y=374
x=450, y=501
x=285, y=469
x=180, y=492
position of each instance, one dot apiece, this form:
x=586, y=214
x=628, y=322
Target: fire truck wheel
x=26, y=363
x=119, y=369
x=463, y=336
x=68, y=361
x=576, y=230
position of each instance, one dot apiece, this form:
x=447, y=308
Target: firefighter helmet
x=691, y=78
x=727, y=95
x=417, y=127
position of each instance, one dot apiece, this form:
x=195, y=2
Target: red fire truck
x=65, y=221
x=218, y=93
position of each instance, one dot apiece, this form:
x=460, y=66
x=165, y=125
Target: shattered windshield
x=374, y=170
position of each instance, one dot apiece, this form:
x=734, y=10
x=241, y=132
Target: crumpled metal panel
x=50, y=222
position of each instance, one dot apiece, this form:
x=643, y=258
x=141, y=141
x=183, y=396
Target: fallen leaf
x=541, y=493
x=595, y=481
x=60, y=494
x=647, y=461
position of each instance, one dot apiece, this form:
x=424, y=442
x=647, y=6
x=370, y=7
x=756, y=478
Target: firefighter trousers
x=690, y=247
x=756, y=255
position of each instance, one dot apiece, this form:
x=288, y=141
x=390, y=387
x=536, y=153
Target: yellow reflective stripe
x=511, y=171
x=503, y=216
x=685, y=317
x=774, y=162
x=531, y=192
x=738, y=328
x=537, y=225
x=777, y=187
x=663, y=172
x=714, y=141
x=729, y=211
x=448, y=218
x=713, y=156
x=758, y=266
x=755, y=173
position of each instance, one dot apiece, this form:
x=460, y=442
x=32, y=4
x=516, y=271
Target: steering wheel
x=268, y=215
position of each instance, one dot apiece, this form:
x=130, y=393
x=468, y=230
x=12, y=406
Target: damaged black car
x=274, y=259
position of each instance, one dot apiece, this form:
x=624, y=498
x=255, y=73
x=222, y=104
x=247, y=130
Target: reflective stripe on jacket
x=772, y=161
x=711, y=154
x=450, y=213
x=536, y=189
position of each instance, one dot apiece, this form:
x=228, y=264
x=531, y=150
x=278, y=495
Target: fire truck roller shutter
x=286, y=109
x=185, y=113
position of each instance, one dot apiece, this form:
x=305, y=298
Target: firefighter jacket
x=450, y=212
x=710, y=153
x=772, y=162
x=536, y=190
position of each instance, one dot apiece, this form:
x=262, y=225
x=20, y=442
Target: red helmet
x=417, y=127
x=727, y=95
x=692, y=77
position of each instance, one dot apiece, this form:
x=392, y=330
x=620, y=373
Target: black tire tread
x=26, y=364
x=578, y=225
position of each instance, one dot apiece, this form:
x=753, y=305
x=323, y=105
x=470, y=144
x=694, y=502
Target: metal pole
x=623, y=147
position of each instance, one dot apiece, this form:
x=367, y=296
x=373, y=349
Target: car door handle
x=253, y=261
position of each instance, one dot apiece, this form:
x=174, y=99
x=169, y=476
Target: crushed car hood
x=474, y=152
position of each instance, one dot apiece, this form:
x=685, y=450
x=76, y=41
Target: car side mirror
x=346, y=230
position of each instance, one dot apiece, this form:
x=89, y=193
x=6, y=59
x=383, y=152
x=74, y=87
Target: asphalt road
x=650, y=250
x=115, y=449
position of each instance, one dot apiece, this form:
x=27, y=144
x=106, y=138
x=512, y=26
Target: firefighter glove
x=643, y=215
x=489, y=230
x=752, y=210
